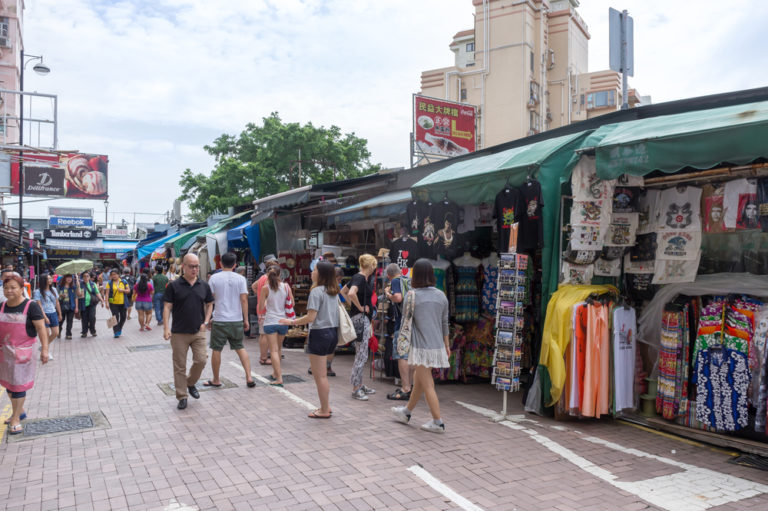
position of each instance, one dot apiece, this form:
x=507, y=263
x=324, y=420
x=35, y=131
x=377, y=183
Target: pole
x=624, y=82
x=299, y=167
x=21, y=153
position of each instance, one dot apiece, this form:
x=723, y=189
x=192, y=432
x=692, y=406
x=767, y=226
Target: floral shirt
x=721, y=390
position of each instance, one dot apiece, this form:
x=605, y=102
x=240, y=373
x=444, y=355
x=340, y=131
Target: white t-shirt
x=275, y=304
x=647, y=204
x=738, y=196
x=624, y=332
x=227, y=286
x=680, y=210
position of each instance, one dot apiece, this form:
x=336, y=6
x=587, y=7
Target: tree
x=263, y=160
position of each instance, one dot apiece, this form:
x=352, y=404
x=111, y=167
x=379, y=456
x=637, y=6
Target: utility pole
x=299, y=167
x=621, y=49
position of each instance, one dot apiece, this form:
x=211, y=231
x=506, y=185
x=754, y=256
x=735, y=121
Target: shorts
x=395, y=356
x=276, y=329
x=223, y=332
x=17, y=395
x=322, y=341
x=53, y=319
x=143, y=306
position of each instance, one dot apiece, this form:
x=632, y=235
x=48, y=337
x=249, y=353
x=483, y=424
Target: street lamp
x=41, y=69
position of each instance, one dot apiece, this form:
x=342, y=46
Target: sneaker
x=401, y=414
x=83, y=335
x=434, y=428
x=367, y=390
x=50, y=356
x=360, y=394
x=69, y=338
x=93, y=334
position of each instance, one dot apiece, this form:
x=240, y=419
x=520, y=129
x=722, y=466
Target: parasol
x=74, y=266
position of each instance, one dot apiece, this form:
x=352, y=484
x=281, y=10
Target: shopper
x=47, y=297
x=323, y=320
x=264, y=355
x=20, y=321
x=426, y=309
x=68, y=302
x=159, y=281
x=142, y=300
x=230, y=318
x=89, y=298
x=129, y=282
x=190, y=302
x=394, y=293
x=358, y=293
x=116, y=291
x=272, y=300
x=339, y=277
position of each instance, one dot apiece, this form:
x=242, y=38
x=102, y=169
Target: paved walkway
x=242, y=448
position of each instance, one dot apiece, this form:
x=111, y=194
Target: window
x=601, y=99
x=532, y=57
x=534, y=96
x=463, y=94
x=470, y=47
x=5, y=40
x=535, y=121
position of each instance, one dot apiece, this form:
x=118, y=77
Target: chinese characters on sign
x=443, y=128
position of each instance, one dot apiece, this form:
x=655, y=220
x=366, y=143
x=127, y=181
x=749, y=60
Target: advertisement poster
x=443, y=128
x=69, y=175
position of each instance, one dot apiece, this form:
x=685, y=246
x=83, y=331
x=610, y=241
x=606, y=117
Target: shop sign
x=443, y=128
x=46, y=181
x=70, y=212
x=70, y=175
x=70, y=234
x=107, y=255
x=58, y=252
x=59, y=221
x=114, y=233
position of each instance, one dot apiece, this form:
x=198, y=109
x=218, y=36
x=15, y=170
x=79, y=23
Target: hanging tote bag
x=404, y=339
x=290, y=313
x=347, y=332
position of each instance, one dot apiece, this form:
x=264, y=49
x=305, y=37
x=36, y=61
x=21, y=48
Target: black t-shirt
x=644, y=249
x=364, y=292
x=188, y=304
x=626, y=199
x=446, y=215
x=428, y=230
x=404, y=252
x=530, y=236
x=762, y=202
x=414, y=214
x=507, y=207
x=33, y=313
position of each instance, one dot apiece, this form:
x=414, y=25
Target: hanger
x=507, y=187
x=529, y=179
x=445, y=198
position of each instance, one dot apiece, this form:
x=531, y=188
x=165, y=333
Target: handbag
x=373, y=344
x=111, y=322
x=404, y=339
x=289, y=312
x=347, y=332
x=95, y=297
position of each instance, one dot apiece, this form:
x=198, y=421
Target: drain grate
x=751, y=461
x=170, y=389
x=150, y=347
x=292, y=378
x=36, y=428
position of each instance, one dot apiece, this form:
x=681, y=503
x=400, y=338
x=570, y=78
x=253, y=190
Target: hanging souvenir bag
x=404, y=339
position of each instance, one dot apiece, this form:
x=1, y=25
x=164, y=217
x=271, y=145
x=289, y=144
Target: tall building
x=524, y=66
x=11, y=12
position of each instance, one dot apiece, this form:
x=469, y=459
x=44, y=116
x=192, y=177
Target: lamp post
x=41, y=69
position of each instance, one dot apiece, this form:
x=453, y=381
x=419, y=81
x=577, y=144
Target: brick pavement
x=247, y=448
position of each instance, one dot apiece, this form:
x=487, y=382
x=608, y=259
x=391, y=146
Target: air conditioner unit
x=5, y=42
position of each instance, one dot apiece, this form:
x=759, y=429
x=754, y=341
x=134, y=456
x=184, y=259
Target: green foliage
x=262, y=161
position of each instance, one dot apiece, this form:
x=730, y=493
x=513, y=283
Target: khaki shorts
x=223, y=332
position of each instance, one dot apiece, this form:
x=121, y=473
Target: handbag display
x=289, y=312
x=404, y=339
x=347, y=332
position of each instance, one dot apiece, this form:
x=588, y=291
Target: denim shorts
x=53, y=319
x=276, y=329
x=143, y=306
x=322, y=341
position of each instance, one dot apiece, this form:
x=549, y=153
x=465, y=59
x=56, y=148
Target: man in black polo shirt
x=190, y=302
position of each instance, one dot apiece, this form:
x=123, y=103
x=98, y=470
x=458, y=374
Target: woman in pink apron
x=20, y=320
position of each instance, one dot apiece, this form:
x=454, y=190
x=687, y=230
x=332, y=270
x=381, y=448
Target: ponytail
x=273, y=276
x=142, y=285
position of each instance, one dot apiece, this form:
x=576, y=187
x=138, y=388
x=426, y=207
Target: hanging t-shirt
x=626, y=199
x=640, y=286
x=590, y=213
x=469, y=220
x=678, y=245
x=586, y=185
x=428, y=232
x=647, y=207
x=404, y=252
x=608, y=268
x=577, y=274
x=712, y=208
x=508, y=211
x=762, y=202
x=740, y=200
x=587, y=237
x=624, y=330
x=621, y=231
x=630, y=180
x=414, y=214
x=645, y=247
x=679, y=209
x=530, y=236
x=673, y=271
x=612, y=253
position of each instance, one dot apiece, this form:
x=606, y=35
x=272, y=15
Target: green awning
x=479, y=179
x=703, y=139
x=179, y=241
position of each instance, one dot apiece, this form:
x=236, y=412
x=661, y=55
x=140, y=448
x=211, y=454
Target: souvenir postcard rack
x=512, y=294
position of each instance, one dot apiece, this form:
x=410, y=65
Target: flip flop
x=265, y=361
x=21, y=418
x=16, y=430
x=250, y=384
x=209, y=383
x=315, y=415
x=271, y=378
x=274, y=384
x=399, y=395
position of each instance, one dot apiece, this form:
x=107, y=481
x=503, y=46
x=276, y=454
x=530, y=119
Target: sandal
x=16, y=430
x=21, y=418
x=399, y=395
x=316, y=415
x=265, y=361
x=275, y=384
x=250, y=384
x=209, y=383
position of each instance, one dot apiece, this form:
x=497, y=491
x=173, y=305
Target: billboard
x=66, y=175
x=443, y=128
x=71, y=212
x=63, y=221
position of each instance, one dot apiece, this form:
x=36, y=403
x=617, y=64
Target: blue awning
x=147, y=249
x=382, y=206
x=236, y=233
x=118, y=246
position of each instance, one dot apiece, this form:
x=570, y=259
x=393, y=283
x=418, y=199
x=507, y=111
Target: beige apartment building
x=10, y=47
x=524, y=66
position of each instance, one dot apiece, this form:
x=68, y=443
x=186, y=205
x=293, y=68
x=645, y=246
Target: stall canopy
x=381, y=206
x=284, y=199
x=702, y=139
x=179, y=241
x=145, y=250
x=118, y=246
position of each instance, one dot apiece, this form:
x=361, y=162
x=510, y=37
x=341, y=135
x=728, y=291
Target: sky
x=150, y=82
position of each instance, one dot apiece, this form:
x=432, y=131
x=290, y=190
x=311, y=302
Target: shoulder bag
x=290, y=313
x=347, y=332
x=406, y=326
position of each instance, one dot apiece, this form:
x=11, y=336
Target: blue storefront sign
x=62, y=221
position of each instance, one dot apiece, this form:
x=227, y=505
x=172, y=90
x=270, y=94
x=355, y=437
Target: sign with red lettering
x=443, y=128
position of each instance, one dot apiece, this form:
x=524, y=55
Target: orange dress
x=595, y=399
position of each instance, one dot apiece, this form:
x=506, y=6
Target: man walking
x=190, y=301
x=159, y=281
x=230, y=317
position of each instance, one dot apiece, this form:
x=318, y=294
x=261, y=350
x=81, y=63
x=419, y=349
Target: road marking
x=175, y=505
x=443, y=489
x=694, y=488
x=290, y=395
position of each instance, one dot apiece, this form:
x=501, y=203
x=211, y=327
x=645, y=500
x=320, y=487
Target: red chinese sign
x=443, y=128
